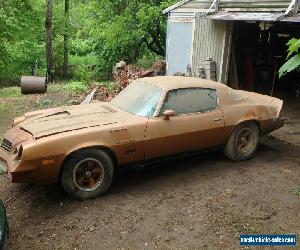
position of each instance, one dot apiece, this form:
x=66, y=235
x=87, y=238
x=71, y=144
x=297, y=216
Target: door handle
x=218, y=119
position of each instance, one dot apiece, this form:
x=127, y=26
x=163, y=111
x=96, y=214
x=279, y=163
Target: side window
x=192, y=100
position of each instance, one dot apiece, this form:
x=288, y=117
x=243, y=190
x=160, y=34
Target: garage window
x=191, y=100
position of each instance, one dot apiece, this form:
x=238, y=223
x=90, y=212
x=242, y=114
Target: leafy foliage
x=100, y=33
x=127, y=30
x=293, y=62
x=21, y=36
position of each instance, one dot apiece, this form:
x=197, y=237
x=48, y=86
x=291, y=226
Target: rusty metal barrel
x=33, y=85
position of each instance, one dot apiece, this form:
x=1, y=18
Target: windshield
x=139, y=98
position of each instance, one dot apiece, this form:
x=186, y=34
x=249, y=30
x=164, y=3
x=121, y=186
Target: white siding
x=212, y=40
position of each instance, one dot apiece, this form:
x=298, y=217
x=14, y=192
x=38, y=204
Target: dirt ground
x=202, y=202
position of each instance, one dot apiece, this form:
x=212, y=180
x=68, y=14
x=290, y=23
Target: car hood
x=63, y=119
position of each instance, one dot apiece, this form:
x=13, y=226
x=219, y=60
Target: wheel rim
x=245, y=141
x=88, y=174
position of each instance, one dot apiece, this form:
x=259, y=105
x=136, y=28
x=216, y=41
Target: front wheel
x=243, y=142
x=87, y=174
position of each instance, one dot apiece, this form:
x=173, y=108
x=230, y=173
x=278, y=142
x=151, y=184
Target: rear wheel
x=87, y=174
x=243, y=142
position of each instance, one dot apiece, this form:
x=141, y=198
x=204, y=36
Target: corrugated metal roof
x=174, y=6
x=232, y=5
x=247, y=16
x=190, y=5
x=292, y=19
x=254, y=5
x=182, y=14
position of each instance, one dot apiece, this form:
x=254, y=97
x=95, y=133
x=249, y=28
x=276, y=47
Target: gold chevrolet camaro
x=153, y=118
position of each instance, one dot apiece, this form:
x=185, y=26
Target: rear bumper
x=279, y=123
x=271, y=125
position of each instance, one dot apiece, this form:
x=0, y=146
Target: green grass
x=55, y=88
x=69, y=87
x=10, y=92
x=248, y=229
x=75, y=87
x=295, y=191
x=4, y=107
x=83, y=60
x=52, y=88
x=42, y=103
x=109, y=84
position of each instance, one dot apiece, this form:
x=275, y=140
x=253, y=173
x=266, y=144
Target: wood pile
x=123, y=75
x=129, y=73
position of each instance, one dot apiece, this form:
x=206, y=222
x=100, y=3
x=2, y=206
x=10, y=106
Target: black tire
x=82, y=168
x=234, y=147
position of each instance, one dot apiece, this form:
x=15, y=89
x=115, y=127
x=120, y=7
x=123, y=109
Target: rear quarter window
x=236, y=96
x=191, y=100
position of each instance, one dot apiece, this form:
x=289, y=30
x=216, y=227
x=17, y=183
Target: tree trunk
x=66, y=41
x=49, y=31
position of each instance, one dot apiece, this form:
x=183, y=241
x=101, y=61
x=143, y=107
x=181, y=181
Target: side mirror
x=168, y=113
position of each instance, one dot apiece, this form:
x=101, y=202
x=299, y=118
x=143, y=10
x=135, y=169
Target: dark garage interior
x=259, y=49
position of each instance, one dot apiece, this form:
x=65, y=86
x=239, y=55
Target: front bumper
x=8, y=147
x=7, y=162
x=26, y=170
x=3, y=225
x=3, y=166
x=30, y=171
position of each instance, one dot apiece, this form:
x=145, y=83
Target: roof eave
x=174, y=6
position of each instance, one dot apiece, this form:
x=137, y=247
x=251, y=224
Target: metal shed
x=202, y=29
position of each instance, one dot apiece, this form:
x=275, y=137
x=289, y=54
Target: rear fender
x=278, y=107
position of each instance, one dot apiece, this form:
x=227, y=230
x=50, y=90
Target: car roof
x=177, y=82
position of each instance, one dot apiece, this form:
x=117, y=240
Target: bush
x=84, y=73
x=147, y=59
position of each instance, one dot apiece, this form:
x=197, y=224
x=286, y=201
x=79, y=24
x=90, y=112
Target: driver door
x=197, y=124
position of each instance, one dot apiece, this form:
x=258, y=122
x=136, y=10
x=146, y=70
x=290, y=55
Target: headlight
x=3, y=166
x=18, y=120
x=19, y=153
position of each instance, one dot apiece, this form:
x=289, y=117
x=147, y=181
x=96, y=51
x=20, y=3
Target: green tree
x=48, y=38
x=21, y=36
x=127, y=29
x=66, y=40
x=98, y=32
